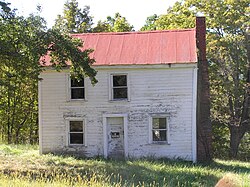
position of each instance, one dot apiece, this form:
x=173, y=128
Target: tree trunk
x=19, y=127
x=8, y=119
x=236, y=134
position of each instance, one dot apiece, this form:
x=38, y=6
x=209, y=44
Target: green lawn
x=23, y=166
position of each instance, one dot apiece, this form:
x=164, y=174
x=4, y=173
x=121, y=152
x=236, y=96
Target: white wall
x=153, y=89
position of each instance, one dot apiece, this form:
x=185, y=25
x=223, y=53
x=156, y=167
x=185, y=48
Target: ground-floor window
x=76, y=132
x=159, y=129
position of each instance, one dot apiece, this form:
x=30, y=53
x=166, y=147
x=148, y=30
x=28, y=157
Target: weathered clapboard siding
x=151, y=90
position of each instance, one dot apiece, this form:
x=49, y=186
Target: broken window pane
x=159, y=135
x=159, y=123
x=159, y=131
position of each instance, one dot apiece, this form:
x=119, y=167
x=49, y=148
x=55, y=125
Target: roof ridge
x=134, y=32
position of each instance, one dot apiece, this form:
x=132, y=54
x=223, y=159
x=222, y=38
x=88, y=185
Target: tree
x=23, y=41
x=227, y=53
x=116, y=24
x=227, y=23
x=177, y=17
x=74, y=19
x=150, y=23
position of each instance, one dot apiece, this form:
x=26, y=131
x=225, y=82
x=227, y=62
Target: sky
x=135, y=11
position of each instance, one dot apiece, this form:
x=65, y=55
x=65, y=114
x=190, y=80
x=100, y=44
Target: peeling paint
x=171, y=98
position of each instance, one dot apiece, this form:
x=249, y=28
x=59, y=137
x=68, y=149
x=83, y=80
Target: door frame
x=105, y=133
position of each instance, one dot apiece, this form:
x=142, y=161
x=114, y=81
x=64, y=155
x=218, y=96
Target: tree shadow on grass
x=166, y=175
x=146, y=172
x=142, y=172
x=236, y=168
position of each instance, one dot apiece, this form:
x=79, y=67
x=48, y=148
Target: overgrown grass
x=23, y=166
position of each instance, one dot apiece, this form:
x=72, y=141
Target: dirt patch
x=229, y=180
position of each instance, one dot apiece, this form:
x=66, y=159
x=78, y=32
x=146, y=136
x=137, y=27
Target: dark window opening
x=120, y=88
x=77, y=88
x=76, y=132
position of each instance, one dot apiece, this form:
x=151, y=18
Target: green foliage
x=244, y=148
x=18, y=149
x=116, y=24
x=66, y=49
x=22, y=43
x=177, y=17
x=227, y=23
x=150, y=23
x=28, y=167
x=74, y=19
x=221, y=140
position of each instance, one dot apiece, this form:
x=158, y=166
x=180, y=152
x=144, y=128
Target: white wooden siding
x=152, y=90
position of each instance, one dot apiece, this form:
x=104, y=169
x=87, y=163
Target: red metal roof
x=150, y=47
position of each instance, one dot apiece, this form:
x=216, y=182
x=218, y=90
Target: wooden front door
x=115, y=130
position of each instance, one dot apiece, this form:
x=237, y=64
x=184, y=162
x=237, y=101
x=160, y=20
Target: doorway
x=115, y=136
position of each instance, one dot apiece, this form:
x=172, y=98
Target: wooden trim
x=110, y=86
x=40, y=117
x=160, y=115
x=105, y=138
x=69, y=90
x=194, y=135
x=67, y=120
x=151, y=66
x=133, y=66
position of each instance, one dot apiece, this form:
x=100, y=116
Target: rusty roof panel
x=168, y=51
x=150, y=47
x=103, y=44
x=154, y=48
x=182, y=49
x=140, y=51
x=128, y=51
x=113, y=56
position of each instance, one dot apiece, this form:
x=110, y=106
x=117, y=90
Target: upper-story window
x=119, y=84
x=77, y=89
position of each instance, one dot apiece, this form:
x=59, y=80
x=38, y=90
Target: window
x=159, y=129
x=119, y=87
x=77, y=88
x=76, y=132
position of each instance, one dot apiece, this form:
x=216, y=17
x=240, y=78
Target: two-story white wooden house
x=144, y=104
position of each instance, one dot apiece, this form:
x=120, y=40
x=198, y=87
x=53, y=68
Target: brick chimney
x=204, y=127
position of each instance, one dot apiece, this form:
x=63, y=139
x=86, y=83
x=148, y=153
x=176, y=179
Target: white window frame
x=68, y=120
x=166, y=116
x=111, y=87
x=70, y=87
